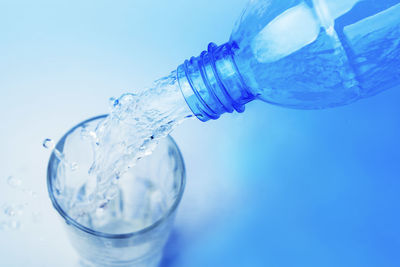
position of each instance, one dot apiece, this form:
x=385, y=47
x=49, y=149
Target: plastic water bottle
x=305, y=54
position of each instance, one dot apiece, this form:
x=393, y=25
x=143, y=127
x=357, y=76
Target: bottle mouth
x=211, y=83
x=52, y=171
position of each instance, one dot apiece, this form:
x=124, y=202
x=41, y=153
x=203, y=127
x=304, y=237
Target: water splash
x=50, y=144
x=132, y=130
x=74, y=166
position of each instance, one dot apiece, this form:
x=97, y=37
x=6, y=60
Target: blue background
x=269, y=187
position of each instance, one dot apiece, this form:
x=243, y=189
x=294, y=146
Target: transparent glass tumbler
x=133, y=229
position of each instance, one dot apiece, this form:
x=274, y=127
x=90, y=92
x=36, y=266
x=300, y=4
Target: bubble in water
x=74, y=166
x=112, y=192
x=87, y=134
x=100, y=212
x=48, y=143
x=128, y=99
x=14, y=181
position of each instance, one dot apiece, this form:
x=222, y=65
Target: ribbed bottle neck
x=211, y=83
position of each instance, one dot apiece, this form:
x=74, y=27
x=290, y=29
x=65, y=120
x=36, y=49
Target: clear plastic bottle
x=305, y=54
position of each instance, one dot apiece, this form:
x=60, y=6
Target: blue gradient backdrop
x=270, y=187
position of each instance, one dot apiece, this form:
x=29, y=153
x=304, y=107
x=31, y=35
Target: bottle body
x=309, y=54
x=321, y=53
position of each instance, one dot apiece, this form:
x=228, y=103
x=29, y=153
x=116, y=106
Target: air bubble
x=112, y=192
x=74, y=166
x=100, y=212
x=87, y=134
x=48, y=143
x=128, y=99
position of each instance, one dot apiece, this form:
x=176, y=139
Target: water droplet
x=10, y=211
x=14, y=181
x=112, y=101
x=48, y=143
x=14, y=225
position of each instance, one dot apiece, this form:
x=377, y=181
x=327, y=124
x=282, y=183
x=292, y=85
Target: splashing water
x=132, y=130
x=13, y=214
x=136, y=123
x=50, y=144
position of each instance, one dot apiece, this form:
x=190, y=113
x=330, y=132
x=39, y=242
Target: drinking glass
x=134, y=227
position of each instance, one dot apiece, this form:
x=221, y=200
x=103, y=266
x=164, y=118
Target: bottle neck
x=211, y=83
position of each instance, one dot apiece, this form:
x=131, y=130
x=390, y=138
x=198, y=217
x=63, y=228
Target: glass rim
x=71, y=221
